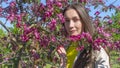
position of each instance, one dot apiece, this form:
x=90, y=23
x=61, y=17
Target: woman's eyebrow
x=75, y=17
x=72, y=17
x=66, y=18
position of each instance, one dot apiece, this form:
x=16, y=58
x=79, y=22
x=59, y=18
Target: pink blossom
x=96, y=22
x=85, y=1
x=117, y=44
x=50, y=3
x=19, y=18
x=110, y=45
x=18, y=25
x=87, y=36
x=41, y=6
x=44, y=41
x=37, y=35
x=61, y=17
x=80, y=48
x=106, y=34
x=101, y=1
x=113, y=29
x=12, y=4
x=47, y=14
x=24, y=38
x=1, y=9
x=35, y=55
x=53, y=39
x=11, y=17
x=97, y=13
x=27, y=29
x=97, y=43
x=100, y=30
x=110, y=21
x=52, y=24
x=75, y=38
x=59, y=4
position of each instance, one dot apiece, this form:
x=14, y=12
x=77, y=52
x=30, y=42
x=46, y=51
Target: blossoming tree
x=37, y=31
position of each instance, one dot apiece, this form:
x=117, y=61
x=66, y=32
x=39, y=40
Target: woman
x=77, y=21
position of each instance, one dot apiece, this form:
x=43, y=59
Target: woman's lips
x=72, y=31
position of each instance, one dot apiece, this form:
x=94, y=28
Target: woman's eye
x=75, y=19
x=67, y=20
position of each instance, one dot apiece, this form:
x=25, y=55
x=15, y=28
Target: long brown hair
x=83, y=14
x=85, y=58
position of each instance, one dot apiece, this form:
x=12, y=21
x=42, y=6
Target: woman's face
x=73, y=24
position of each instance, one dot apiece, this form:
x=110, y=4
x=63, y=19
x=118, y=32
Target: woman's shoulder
x=101, y=58
x=100, y=53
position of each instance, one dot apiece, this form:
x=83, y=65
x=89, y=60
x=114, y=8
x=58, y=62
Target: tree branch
x=4, y=27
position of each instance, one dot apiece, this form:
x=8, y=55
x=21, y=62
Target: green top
x=71, y=54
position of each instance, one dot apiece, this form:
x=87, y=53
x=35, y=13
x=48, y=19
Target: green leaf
x=2, y=33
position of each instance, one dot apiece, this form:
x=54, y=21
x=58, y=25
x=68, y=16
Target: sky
x=107, y=2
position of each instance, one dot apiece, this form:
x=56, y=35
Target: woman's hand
x=61, y=50
x=62, y=53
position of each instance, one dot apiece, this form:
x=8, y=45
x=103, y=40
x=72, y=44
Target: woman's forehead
x=70, y=13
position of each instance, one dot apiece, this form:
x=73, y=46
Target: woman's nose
x=71, y=25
